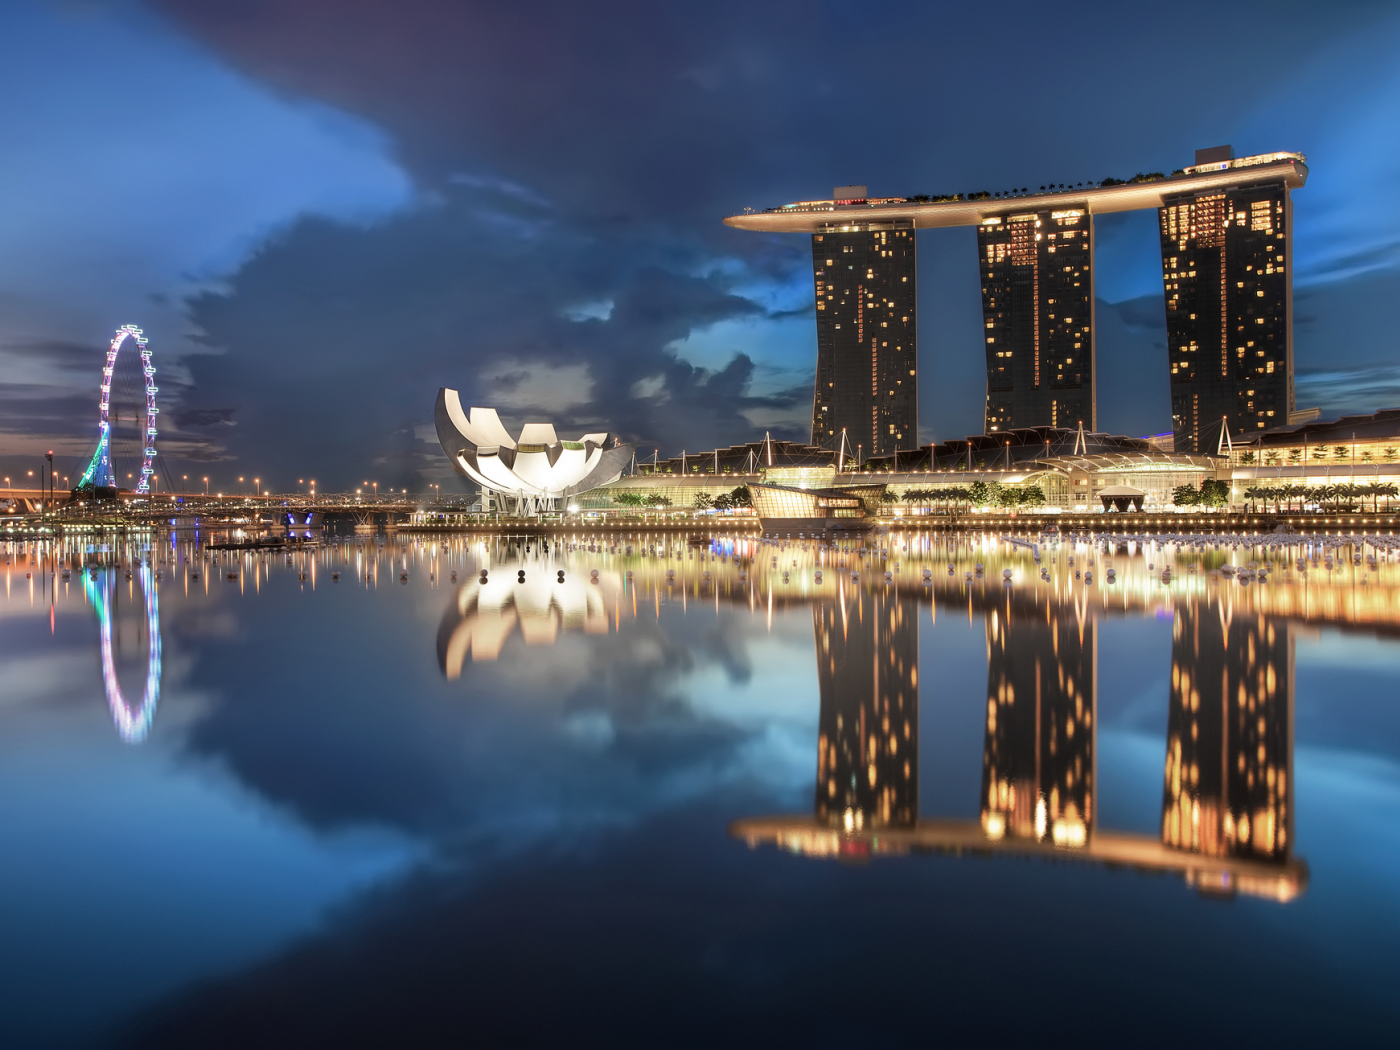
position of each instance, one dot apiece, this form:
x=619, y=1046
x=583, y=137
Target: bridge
x=222, y=507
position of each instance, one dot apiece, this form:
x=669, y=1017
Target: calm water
x=251, y=803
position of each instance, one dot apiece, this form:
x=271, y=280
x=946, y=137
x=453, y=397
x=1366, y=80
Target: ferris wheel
x=127, y=416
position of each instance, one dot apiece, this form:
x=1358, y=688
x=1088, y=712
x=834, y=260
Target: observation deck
x=975, y=209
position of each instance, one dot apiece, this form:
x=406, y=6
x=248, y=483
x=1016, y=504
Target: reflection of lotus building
x=531, y=472
x=482, y=616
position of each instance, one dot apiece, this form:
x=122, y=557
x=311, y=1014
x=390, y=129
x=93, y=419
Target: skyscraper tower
x=1226, y=265
x=1038, y=314
x=1228, y=277
x=867, y=355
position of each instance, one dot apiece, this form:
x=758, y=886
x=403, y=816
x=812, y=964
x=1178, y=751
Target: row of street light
x=49, y=483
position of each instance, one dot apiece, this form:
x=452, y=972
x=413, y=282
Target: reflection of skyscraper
x=1037, y=309
x=867, y=358
x=1038, y=758
x=1227, y=789
x=867, y=750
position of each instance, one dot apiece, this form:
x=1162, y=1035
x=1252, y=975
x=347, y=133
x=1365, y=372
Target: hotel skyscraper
x=1038, y=313
x=1226, y=272
x=867, y=353
x=1226, y=268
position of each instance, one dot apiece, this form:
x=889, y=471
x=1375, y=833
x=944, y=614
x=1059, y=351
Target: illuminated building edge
x=534, y=470
x=99, y=473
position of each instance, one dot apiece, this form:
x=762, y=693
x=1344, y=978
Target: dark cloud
x=335, y=339
x=204, y=417
x=578, y=155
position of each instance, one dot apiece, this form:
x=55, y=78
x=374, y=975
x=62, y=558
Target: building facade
x=1227, y=275
x=867, y=352
x=1038, y=313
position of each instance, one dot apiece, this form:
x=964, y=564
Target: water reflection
x=485, y=613
x=103, y=593
x=1038, y=759
x=1229, y=739
x=867, y=745
x=1226, y=811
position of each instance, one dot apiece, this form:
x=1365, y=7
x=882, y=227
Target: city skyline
x=1226, y=223
x=369, y=226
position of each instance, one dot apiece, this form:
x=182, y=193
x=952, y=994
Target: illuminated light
x=1069, y=832
x=994, y=824
x=99, y=470
x=132, y=725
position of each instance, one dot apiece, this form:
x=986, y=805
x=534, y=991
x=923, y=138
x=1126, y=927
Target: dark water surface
x=248, y=803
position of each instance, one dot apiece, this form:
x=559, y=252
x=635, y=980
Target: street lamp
x=206, y=486
x=257, y=482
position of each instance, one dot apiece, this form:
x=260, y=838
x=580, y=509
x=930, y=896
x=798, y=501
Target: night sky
x=323, y=210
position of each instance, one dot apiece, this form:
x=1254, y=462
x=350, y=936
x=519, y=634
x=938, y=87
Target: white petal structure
x=533, y=470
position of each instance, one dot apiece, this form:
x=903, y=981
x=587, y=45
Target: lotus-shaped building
x=534, y=470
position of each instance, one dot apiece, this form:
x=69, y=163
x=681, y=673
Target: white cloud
x=597, y=310
x=540, y=388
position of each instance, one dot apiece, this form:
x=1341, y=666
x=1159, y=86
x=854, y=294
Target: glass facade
x=1227, y=275
x=778, y=503
x=867, y=353
x=1038, y=314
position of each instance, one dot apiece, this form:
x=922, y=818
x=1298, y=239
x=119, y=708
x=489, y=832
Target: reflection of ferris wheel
x=127, y=420
x=133, y=725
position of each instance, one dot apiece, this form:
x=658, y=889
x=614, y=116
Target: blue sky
x=322, y=212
